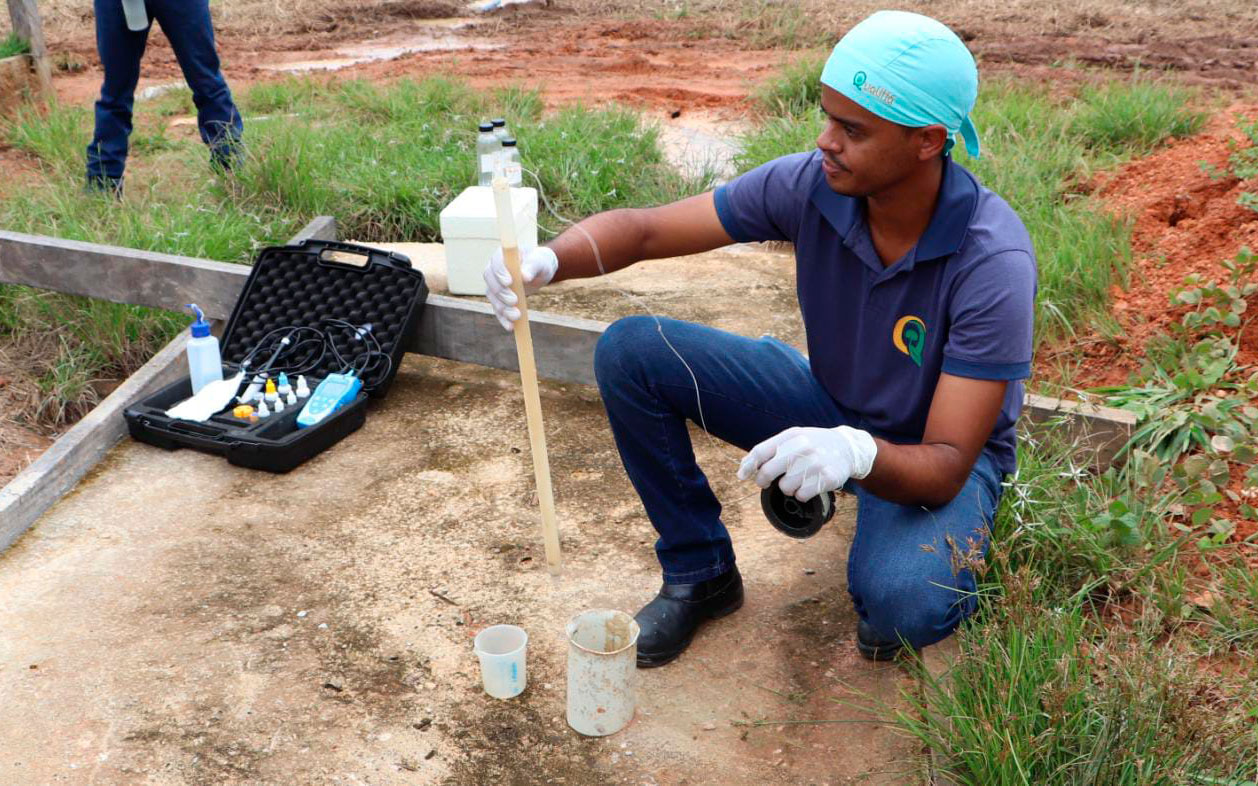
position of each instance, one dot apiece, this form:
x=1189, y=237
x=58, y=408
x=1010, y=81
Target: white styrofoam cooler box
x=469, y=230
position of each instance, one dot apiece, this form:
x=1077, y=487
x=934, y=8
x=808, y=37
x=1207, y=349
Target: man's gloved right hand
x=537, y=267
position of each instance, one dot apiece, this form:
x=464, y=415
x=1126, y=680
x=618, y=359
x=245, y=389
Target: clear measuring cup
x=501, y=650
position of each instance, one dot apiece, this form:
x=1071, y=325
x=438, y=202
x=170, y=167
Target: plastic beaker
x=602, y=669
x=501, y=649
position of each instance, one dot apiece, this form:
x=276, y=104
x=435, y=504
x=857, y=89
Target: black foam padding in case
x=302, y=285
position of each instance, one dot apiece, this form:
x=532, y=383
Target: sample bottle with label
x=511, y=168
x=487, y=149
x=501, y=134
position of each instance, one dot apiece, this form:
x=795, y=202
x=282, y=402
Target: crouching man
x=916, y=286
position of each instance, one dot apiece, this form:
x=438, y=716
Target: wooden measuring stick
x=528, y=374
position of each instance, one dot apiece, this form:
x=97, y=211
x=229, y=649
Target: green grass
x=383, y=160
x=418, y=154
x=1133, y=116
x=13, y=45
x=71, y=348
x=57, y=137
x=795, y=90
x=1050, y=688
x=1038, y=150
x=1056, y=698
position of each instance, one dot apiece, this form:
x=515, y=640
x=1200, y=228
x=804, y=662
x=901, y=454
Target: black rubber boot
x=872, y=646
x=669, y=622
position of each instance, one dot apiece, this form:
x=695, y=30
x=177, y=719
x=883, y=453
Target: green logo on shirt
x=859, y=79
x=909, y=337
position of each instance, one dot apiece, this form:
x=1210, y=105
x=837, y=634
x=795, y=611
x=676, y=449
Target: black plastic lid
x=509, y=142
x=499, y=122
x=486, y=127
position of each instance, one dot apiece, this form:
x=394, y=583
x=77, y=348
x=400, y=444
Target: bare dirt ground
x=247, y=628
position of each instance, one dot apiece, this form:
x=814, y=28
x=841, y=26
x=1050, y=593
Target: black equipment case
x=290, y=286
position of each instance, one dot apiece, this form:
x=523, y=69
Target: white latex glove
x=813, y=460
x=537, y=267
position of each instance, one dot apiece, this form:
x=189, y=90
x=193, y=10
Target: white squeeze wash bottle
x=205, y=363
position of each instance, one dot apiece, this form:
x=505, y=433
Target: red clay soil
x=646, y=63
x=1184, y=221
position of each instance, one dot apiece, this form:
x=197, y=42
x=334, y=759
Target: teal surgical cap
x=909, y=69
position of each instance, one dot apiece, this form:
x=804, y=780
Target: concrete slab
x=178, y=620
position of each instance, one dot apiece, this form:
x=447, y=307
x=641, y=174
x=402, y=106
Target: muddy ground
x=179, y=620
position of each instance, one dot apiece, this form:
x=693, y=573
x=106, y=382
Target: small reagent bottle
x=511, y=168
x=205, y=363
x=487, y=148
x=500, y=129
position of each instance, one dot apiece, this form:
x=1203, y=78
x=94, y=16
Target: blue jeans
x=907, y=569
x=187, y=24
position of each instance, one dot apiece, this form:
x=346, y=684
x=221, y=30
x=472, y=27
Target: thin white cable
x=659, y=326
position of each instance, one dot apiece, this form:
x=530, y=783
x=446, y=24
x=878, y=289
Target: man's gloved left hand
x=813, y=460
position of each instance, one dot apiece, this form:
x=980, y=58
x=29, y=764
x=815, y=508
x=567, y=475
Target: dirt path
x=236, y=627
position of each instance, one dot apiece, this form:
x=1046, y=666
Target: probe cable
x=659, y=326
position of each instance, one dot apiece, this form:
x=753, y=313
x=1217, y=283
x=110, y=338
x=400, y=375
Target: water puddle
x=701, y=145
x=485, y=6
x=437, y=36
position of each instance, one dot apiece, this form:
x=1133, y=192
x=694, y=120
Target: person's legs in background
x=910, y=569
x=188, y=25
x=121, y=50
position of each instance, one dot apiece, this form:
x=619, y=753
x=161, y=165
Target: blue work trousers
x=907, y=569
x=187, y=24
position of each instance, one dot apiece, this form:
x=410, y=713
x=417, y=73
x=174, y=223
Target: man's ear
x=931, y=142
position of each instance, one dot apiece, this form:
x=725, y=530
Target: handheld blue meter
x=333, y=393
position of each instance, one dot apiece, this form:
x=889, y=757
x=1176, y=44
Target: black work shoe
x=874, y=647
x=669, y=622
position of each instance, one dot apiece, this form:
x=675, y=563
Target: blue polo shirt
x=960, y=301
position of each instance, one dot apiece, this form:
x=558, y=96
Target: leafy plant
x=1207, y=396
x=1221, y=305
x=1244, y=161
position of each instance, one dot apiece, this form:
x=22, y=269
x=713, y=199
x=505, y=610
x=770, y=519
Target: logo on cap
x=861, y=81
